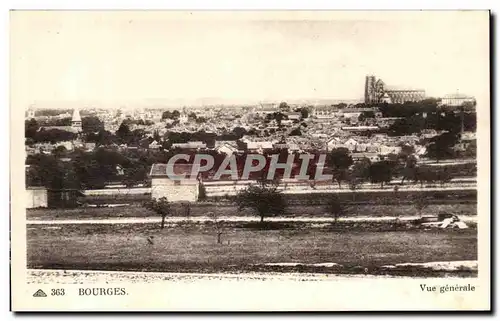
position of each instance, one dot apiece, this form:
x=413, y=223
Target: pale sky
x=136, y=57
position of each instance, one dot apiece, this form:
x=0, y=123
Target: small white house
x=333, y=143
x=154, y=145
x=226, y=149
x=174, y=183
x=386, y=150
x=373, y=157
x=36, y=197
x=351, y=144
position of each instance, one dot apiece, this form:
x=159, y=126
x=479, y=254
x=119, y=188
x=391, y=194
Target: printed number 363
x=57, y=292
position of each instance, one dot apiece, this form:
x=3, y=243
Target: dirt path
x=201, y=219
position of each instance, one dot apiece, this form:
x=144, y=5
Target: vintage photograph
x=173, y=147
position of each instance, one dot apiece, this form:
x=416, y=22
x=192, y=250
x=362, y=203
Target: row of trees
x=265, y=200
x=36, y=133
x=85, y=170
x=97, y=168
x=416, y=123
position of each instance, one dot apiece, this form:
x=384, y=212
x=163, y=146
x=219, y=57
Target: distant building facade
x=376, y=91
x=456, y=100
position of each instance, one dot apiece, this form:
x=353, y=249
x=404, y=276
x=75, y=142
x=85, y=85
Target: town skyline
x=117, y=59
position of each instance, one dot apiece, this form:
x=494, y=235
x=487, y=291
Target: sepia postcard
x=250, y=160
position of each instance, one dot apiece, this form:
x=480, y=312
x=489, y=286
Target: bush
x=202, y=192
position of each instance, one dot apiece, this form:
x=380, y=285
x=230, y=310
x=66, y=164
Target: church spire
x=76, y=116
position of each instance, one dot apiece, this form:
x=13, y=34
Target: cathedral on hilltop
x=376, y=91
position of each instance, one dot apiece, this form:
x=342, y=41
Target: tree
x=354, y=183
x=277, y=116
x=359, y=172
x=187, y=210
x=406, y=150
x=425, y=175
x=134, y=174
x=296, y=132
x=339, y=160
x=407, y=126
x=239, y=132
x=136, y=136
x=156, y=136
x=217, y=226
x=59, y=151
x=92, y=124
x=284, y=107
x=471, y=149
x=440, y=147
x=449, y=122
x=264, y=199
x=336, y=208
x=57, y=122
x=160, y=206
x=50, y=172
x=420, y=202
x=53, y=136
x=166, y=115
x=410, y=169
x=102, y=138
x=381, y=172
x=200, y=120
x=361, y=169
x=304, y=112
x=202, y=192
x=95, y=169
x=170, y=115
x=30, y=128
x=340, y=175
x=392, y=157
x=124, y=132
x=444, y=176
x=365, y=115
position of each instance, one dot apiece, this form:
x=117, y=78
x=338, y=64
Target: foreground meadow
x=287, y=248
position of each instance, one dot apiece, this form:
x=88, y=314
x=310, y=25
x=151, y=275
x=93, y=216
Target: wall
x=36, y=197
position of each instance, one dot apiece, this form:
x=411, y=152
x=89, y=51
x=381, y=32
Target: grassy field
x=193, y=248
x=386, y=196
x=231, y=210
